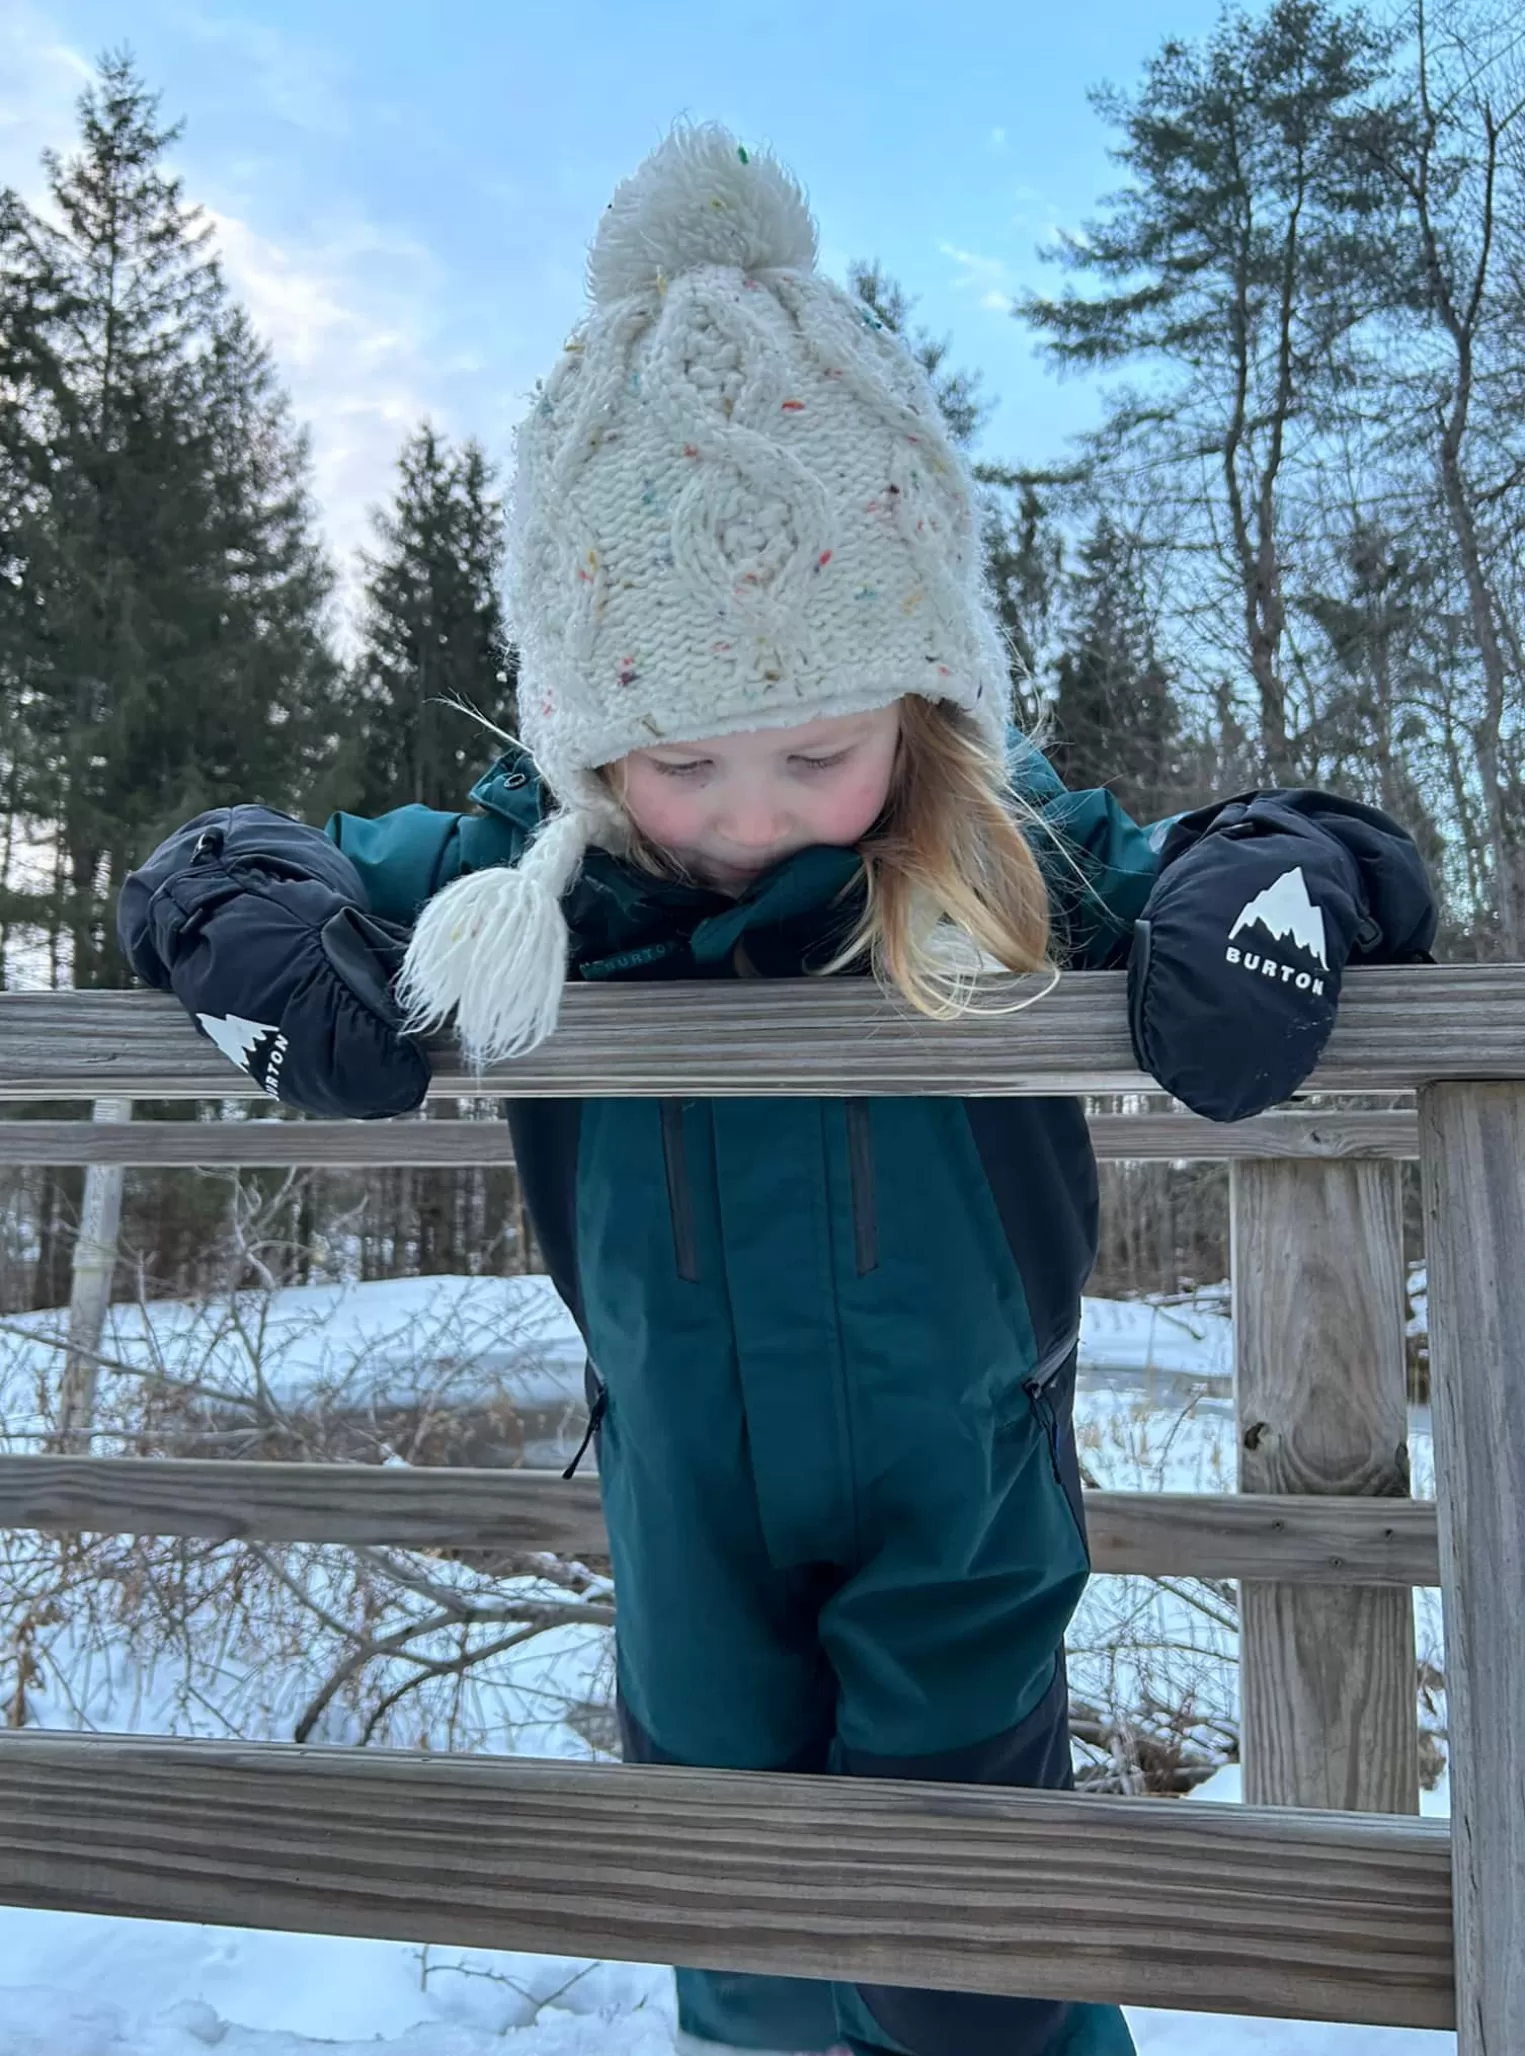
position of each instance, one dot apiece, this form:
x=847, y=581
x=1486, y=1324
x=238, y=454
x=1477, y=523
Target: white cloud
x=349, y=311
x=987, y=277
x=998, y=139
x=41, y=78
x=293, y=79
x=369, y=331
x=351, y=319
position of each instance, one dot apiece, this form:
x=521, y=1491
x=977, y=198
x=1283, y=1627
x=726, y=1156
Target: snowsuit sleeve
x=406, y=856
x=1099, y=864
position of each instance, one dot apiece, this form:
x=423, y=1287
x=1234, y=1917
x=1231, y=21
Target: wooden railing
x=1273, y=1908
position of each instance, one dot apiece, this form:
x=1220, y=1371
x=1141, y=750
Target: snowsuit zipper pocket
x=860, y=1170
x=1037, y=1390
x=1042, y=1406
x=598, y=1405
x=680, y=1192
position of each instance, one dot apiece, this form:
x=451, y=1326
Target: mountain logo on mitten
x=255, y=1046
x=1287, y=914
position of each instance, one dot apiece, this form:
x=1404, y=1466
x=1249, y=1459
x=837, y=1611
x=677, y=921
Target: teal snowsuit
x=832, y=1354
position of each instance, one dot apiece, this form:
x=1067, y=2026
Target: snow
x=477, y=1334
x=470, y=1335
x=99, y=1986
x=1145, y=1337
x=93, y=1985
x=1154, y=1413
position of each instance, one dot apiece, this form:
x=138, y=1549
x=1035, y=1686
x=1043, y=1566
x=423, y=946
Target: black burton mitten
x=1234, y=976
x=258, y=924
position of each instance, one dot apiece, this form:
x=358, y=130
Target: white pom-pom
x=491, y=949
x=700, y=198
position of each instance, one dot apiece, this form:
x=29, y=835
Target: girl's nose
x=753, y=825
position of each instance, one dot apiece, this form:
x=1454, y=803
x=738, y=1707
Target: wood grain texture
x=210, y=1145
x=959, y=1887
x=1397, y=1028
x=1473, y=1144
x=1187, y=1137
x=1221, y=1535
x=1327, y=1675
x=1305, y=1541
x=452, y=1144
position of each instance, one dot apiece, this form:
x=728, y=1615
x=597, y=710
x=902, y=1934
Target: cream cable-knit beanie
x=734, y=506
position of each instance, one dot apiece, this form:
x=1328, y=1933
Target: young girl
x=832, y=1342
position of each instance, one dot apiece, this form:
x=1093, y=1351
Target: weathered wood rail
x=445, y=1145
x=1345, y=1914
x=1398, y=1029
x=1283, y=1913
x=1156, y=1534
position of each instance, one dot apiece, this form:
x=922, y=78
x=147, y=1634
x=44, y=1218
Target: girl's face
x=730, y=808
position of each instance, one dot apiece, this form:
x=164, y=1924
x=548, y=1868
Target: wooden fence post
x=94, y=1267
x=1472, y=1147
x=1328, y=1692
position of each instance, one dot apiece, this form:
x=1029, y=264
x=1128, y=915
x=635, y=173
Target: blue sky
x=404, y=194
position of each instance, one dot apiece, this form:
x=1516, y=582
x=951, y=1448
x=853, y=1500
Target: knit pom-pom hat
x=734, y=506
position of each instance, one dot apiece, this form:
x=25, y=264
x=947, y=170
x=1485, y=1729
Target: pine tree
x=1115, y=722
x=1446, y=401
x=171, y=649
x=965, y=410
x=432, y=624
x=1389, y=637
x=433, y=631
x=1021, y=546
x=1232, y=272
x=1024, y=562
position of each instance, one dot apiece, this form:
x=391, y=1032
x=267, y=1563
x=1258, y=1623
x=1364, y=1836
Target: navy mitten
x=259, y=926
x=1260, y=902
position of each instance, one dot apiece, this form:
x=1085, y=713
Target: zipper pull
x=595, y=1421
x=1048, y=1420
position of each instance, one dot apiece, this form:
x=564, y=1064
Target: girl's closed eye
x=821, y=763
x=686, y=770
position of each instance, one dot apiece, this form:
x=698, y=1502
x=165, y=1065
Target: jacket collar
x=625, y=921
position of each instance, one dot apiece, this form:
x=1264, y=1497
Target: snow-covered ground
x=80, y=1985
x=395, y=1338
x=444, y=1341
x=1154, y=1413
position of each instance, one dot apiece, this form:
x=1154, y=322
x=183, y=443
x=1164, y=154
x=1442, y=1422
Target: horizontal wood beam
x=1295, y=1540
x=254, y=1145
x=1397, y=1029
x=345, y=1145
x=1148, y=1902
x=1181, y=1137
x=1223, y=1535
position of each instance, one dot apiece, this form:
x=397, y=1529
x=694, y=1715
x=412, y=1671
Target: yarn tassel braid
x=491, y=948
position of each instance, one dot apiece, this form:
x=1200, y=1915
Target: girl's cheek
x=852, y=812
x=663, y=817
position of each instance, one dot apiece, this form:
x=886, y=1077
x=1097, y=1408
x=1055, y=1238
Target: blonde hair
x=950, y=879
